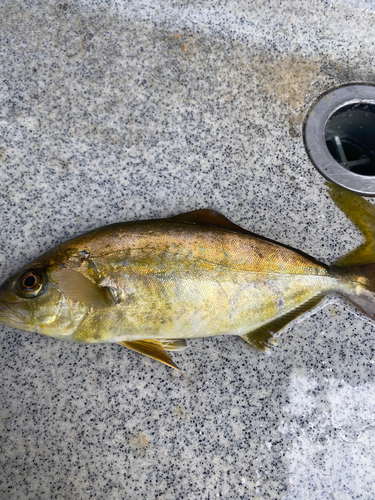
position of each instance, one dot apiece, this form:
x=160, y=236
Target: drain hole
x=339, y=135
x=350, y=137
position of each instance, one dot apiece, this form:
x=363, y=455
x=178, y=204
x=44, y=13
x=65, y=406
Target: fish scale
x=149, y=285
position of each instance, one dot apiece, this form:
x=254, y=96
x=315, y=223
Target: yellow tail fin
x=359, y=264
x=362, y=213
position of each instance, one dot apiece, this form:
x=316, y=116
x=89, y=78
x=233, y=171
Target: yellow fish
x=149, y=285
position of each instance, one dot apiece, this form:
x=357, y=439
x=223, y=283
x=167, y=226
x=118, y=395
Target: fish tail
x=356, y=269
x=359, y=286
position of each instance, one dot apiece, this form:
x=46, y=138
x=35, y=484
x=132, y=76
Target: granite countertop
x=113, y=111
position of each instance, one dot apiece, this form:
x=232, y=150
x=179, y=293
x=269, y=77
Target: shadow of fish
x=150, y=285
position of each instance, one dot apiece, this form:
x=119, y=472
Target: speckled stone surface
x=115, y=111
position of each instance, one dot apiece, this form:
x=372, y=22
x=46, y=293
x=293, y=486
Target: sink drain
x=339, y=137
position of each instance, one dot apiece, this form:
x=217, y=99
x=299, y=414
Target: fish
x=150, y=285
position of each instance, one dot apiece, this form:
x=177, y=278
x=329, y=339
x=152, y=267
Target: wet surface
x=149, y=110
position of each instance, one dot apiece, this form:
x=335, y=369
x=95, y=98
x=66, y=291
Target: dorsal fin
x=208, y=217
x=152, y=348
x=362, y=213
x=211, y=218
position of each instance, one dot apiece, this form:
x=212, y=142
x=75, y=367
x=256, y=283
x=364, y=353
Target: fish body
x=150, y=285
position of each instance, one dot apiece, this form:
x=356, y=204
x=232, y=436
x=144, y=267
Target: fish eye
x=29, y=281
x=30, y=284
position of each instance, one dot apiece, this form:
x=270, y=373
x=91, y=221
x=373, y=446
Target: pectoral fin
x=261, y=338
x=152, y=348
x=77, y=287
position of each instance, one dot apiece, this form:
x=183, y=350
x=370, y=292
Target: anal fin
x=262, y=337
x=152, y=348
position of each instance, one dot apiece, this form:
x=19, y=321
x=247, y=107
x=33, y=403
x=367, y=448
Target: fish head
x=30, y=300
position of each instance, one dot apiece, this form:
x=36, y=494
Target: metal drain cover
x=339, y=136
